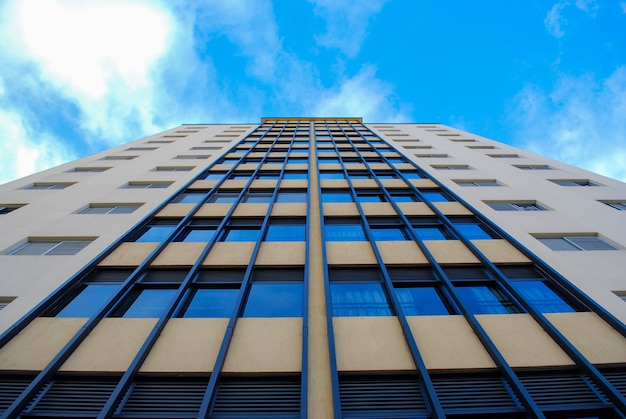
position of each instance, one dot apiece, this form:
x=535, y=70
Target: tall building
x=313, y=267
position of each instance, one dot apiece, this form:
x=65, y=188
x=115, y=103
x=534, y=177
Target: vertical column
x=320, y=384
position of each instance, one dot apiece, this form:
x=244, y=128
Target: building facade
x=313, y=267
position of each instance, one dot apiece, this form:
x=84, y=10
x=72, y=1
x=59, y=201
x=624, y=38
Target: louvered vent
x=467, y=393
x=165, y=397
x=258, y=397
x=10, y=389
x=389, y=396
x=560, y=390
x=72, y=396
x=618, y=379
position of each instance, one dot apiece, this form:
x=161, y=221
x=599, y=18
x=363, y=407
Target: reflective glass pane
x=472, y=232
x=88, y=301
x=542, y=297
x=422, y=301
x=285, y=233
x=430, y=233
x=156, y=233
x=434, y=196
x=274, y=300
x=388, y=233
x=150, y=303
x=359, y=300
x=212, y=303
x=344, y=232
x=336, y=197
x=482, y=299
x=203, y=235
x=242, y=235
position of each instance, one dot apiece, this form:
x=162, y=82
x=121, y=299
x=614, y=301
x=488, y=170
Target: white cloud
x=346, y=23
x=623, y=6
x=362, y=95
x=555, y=20
x=582, y=122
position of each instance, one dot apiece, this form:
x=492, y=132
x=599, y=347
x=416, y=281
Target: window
x=48, y=185
x=200, y=230
x=574, y=242
x=566, y=182
x=275, y=293
x=451, y=167
x=412, y=175
x=257, y=197
x=291, y=196
x=224, y=197
x=90, y=169
x=385, y=229
x=211, y=302
x=295, y=175
x=343, y=229
x=92, y=294
x=50, y=247
x=429, y=228
x=5, y=301
x=472, y=229
x=399, y=196
x=174, y=168
x=147, y=185
x=109, y=209
x=158, y=231
x=242, y=230
x=329, y=196
x=146, y=302
x=331, y=176
x=286, y=230
x=503, y=156
x=7, y=208
x=477, y=182
x=617, y=205
x=358, y=292
x=516, y=206
x=536, y=289
x=214, y=176
x=435, y=196
x=370, y=196
x=420, y=300
x=532, y=166
x=119, y=157
x=189, y=197
x=485, y=299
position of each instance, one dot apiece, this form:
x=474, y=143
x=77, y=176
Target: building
x=313, y=267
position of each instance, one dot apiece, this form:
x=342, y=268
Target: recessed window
x=110, y=209
x=618, y=205
x=476, y=182
x=243, y=230
x=358, y=292
x=432, y=156
x=90, y=169
x=291, y=175
x=141, y=149
x=516, y=206
x=49, y=185
x=485, y=299
x=5, y=301
x=436, y=196
x=146, y=185
x=7, y=208
x=200, y=230
x=329, y=196
x=295, y=196
x=224, y=197
x=420, y=300
x=387, y=229
x=400, y=196
x=193, y=156
x=174, y=168
x=156, y=232
x=208, y=148
x=50, y=247
x=576, y=242
x=331, y=175
x=532, y=166
x=429, y=228
x=275, y=293
x=343, y=229
x=211, y=302
x=481, y=147
x=472, y=229
x=450, y=167
x=504, y=156
x=118, y=157
x=190, y=197
x=146, y=303
x=579, y=182
x=214, y=176
x=286, y=230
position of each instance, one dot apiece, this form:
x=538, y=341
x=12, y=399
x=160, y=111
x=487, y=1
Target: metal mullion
x=564, y=238
x=211, y=391
x=52, y=248
x=514, y=381
x=304, y=376
x=15, y=408
x=334, y=373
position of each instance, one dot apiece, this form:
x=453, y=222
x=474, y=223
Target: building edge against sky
x=430, y=213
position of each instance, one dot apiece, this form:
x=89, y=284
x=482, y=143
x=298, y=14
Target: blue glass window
x=295, y=176
x=199, y=235
x=542, y=297
x=214, y=175
x=336, y=197
x=270, y=299
x=267, y=176
x=431, y=233
x=389, y=233
x=149, y=303
x=285, y=231
x=242, y=234
x=224, y=197
x=343, y=230
x=472, y=230
x=435, y=196
x=189, y=197
x=421, y=301
x=257, y=197
x=404, y=197
x=156, y=233
x=359, y=299
x=485, y=299
x=412, y=175
x=331, y=175
x=212, y=302
x=89, y=300
x=291, y=197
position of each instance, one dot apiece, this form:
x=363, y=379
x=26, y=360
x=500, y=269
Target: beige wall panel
x=333, y=166
x=232, y=184
x=415, y=208
x=111, y=345
x=298, y=166
x=350, y=253
x=401, y=252
x=529, y=346
x=335, y=183
x=362, y=183
x=378, y=208
x=289, y=210
x=393, y=183
x=35, y=346
x=500, y=251
x=294, y=184
x=341, y=209
x=265, y=345
x=229, y=254
x=378, y=167
x=592, y=336
x=203, y=184
x=246, y=166
x=401, y=166
x=448, y=342
x=187, y=345
x=281, y=254
x=452, y=208
x=424, y=183
x=448, y=252
x=213, y=210
x=273, y=167
x=179, y=254
x=175, y=210
x=370, y=344
x=129, y=254
x=251, y=210
x=263, y=184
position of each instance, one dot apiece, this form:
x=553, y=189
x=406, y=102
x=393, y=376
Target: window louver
x=565, y=390
x=71, y=397
x=618, y=379
x=165, y=398
x=245, y=397
x=10, y=389
x=480, y=393
x=381, y=396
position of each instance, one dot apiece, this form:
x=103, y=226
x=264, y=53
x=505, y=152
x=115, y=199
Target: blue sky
x=77, y=77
